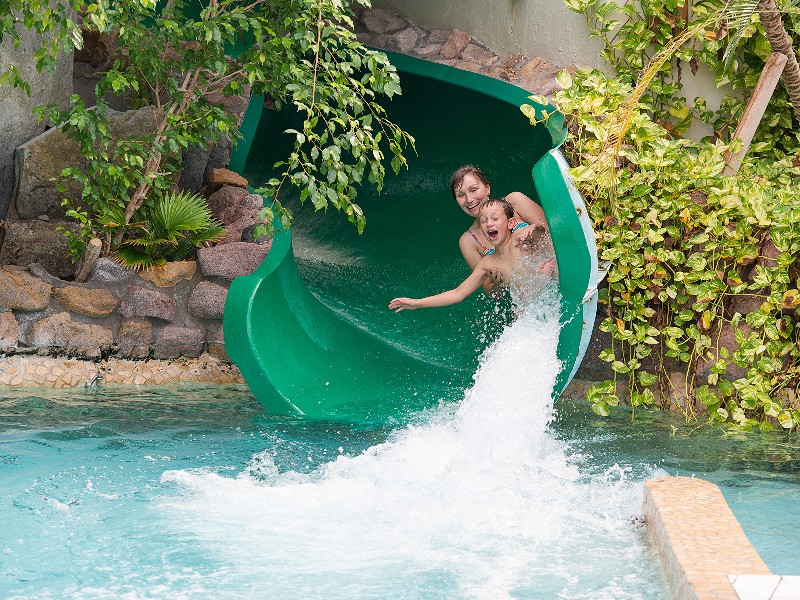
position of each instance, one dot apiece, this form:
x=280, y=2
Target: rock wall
x=159, y=314
x=163, y=313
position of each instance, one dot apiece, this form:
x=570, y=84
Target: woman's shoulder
x=465, y=240
x=470, y=247
x=466, y=237
x=526, y=209
x=514, y=197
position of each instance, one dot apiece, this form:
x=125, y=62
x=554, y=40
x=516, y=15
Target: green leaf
x=564, y=79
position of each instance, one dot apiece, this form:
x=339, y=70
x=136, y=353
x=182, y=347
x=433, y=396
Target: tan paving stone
x=697, y=537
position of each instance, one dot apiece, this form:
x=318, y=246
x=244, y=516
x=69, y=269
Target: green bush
x=702, y=298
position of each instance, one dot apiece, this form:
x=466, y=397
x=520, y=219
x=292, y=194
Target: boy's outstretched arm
x=454, y=296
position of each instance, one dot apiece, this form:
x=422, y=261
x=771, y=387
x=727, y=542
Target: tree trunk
x=781, y=42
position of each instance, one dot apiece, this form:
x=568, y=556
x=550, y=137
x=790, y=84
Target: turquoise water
x=194, y=492
x=88, y=513
x=759, y=474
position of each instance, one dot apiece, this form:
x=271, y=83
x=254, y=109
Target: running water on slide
x=309, y=329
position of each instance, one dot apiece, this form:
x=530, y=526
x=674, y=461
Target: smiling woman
x=470, y=186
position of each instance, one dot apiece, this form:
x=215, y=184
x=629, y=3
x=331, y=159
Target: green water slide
x=310, y=329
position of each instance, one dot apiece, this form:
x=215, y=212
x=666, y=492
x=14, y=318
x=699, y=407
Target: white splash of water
x=479, y=501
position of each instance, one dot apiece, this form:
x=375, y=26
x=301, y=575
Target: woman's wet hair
x=502, y=202
x=458, y=177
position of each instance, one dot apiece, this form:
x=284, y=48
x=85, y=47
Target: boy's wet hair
x=501, y=202
x=458, y=177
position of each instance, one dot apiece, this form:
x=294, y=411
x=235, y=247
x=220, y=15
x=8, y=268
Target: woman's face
x=471, y=193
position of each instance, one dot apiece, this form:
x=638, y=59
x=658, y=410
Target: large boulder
x=60, y=331
x=207, y=300
x=134, y=339
x=106, y=270
x=215, y=341
x=378, y=20
x=41, y=242
x=455, y=44
x=9, y=331
x=41, y=160
x=173, y=341
x=221, y=177
x=231, y=260
x=18, y=123
x=23, y=292
x=86, y=301
x=170, y=273
x=141, y=302
x=224, y=198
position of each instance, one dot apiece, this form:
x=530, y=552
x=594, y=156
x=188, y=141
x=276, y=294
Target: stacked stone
x=165, y=312
x=382, y=29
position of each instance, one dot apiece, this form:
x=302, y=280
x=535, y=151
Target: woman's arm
x=454, y=296
x=527, y=209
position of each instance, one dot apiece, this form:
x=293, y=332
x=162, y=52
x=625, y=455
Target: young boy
x=512, y=243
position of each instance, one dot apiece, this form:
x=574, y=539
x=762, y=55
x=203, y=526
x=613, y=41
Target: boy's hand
x=494, y=275
x=548, y=267
x=399, y=304
x=523, y=238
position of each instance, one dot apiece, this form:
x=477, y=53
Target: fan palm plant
x=170, y=230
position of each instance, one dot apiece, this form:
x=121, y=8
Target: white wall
x=543, y=28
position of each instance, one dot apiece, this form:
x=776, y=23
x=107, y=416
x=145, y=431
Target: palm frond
x=149, y=242
x=180, y=251
x=214, y=232
x=112, y=216
x=739, y=14
x=182, y=211
x=621, y=120
x=135, y=259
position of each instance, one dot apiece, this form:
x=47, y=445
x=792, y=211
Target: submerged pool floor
x=192, y=491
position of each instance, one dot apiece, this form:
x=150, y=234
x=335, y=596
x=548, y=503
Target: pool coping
x=703, y=548
x=64, y=372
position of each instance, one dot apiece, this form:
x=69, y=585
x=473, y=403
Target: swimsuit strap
x=520, y=225
x=486, y=250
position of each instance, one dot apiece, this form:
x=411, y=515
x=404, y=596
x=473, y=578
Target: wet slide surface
x=310, y=329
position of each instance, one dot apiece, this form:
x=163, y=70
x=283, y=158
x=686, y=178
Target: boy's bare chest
x=502, y=266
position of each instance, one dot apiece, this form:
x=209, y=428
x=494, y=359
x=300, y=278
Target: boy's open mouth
x=491, y=234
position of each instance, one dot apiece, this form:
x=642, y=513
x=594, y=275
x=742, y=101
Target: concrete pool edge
x=61, y=372
x=702, y=547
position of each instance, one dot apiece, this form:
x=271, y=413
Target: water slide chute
x=309, y=329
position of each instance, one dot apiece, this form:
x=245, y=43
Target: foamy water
x=476, y=500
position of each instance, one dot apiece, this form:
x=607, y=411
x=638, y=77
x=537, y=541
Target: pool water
x=193, y=492
x=759, y=474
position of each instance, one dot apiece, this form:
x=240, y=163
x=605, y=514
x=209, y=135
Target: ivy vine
x=702, y=297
